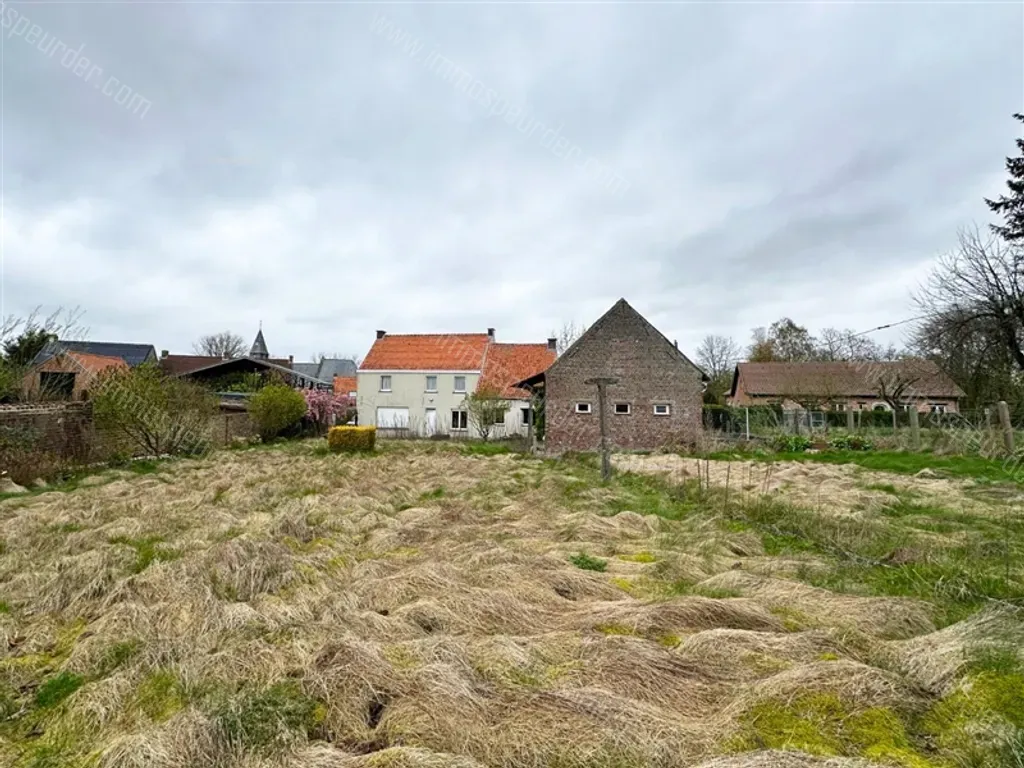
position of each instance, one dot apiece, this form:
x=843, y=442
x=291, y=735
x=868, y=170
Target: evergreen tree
x=1011, y=207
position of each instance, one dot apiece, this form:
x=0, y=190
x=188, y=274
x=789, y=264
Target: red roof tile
x=427, y=352
x=509, y=363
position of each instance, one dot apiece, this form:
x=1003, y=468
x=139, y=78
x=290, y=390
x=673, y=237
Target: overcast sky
x=334, y=169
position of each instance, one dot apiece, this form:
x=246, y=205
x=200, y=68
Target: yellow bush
x=348, y=439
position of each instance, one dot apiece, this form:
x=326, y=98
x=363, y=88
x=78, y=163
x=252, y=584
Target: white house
x=419, y=382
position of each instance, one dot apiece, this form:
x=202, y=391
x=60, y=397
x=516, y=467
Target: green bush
x=351, y=439
x=790, y=443
x=275, y=408
x=850, y=443
x=158, y=414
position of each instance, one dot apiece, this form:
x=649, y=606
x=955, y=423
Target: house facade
x=418, y=383
x=847, y=386
x=67, y=375
x=654, y=402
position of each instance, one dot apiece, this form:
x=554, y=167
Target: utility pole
x=606, y=464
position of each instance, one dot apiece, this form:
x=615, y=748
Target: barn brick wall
x=650, y=370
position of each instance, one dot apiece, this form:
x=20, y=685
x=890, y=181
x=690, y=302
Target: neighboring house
x=67, y=375
x=346, y=385
x=655, y=403
x=420, y=382
x=132, y=354
x=203, y=368
x=328, y=369
x=842, y=386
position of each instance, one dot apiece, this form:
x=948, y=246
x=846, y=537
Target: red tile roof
x=174, y=365
x=844, y=379
x=509, y=363
x=344, y=384
x=427, y=352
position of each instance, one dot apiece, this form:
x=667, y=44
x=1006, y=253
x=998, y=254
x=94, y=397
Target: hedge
x=349, y=439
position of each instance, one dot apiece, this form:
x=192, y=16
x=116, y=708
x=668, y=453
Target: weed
x=5, y=607
x=588, y=563
x=160, y=695
x=639, y=557
x=268, y=719
x=146, y=551
x=57, y=688
x=116, y=655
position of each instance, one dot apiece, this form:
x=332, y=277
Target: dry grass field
x=427, y=606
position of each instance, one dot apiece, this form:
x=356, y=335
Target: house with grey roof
x=133, y=354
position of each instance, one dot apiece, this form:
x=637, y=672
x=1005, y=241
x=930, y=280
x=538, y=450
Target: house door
x=431, y=421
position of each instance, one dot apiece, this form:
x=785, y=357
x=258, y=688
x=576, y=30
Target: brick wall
x=650, y=370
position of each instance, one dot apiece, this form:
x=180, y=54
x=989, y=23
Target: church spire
x=259, y=346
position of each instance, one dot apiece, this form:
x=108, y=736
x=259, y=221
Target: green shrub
x=350, y=439
x=275, y=408
x=790, y=443
x=850, y=443
x=588, y=563
x=158, y=414
x=57, y=688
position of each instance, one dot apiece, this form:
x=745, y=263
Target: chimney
x=381, y=334
x=490, y=334
x=290, y=361
x=553, y=344
x=676, y=342
x=164, y=353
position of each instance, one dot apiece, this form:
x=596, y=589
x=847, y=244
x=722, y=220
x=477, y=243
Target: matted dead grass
x=845, y=489
x=278, y=608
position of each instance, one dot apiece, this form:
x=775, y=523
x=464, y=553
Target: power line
x=891, y=325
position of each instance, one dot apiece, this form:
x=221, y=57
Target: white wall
x=409, y=390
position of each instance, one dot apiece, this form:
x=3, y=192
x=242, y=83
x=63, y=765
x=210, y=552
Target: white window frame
x=384, y=377
x=455, y=385
x=666, y=412
x=584, y=407
x=426, y=385
x=939, y=408
x=463, y=419
x=839, y=407
x=627, y=412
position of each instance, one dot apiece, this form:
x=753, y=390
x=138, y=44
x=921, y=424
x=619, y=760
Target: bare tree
x=981, y=282
x=319, y=357
x=836, y=344
x=567, y=335
x=225, y=345
x=717, y=355
x=486, y=408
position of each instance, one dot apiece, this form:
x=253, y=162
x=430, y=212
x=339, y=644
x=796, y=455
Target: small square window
x=582, y=407
x=460, y=383
x=839, y=406
x=385, y=383
x=460, y=420
x=662, y=409
x=622, y=409
x=431, y=383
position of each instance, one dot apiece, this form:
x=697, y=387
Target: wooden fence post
x=1004, y=419
x=849, y=420
x=915, y=428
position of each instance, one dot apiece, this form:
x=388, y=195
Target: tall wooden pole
x=606, y=463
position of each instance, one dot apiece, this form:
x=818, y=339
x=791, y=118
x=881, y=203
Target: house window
x=56, y=386
x=460, y=383
x=880, y=407
x=937, y=407
x=582, y=407
x=860, y=405
x=527, y=416
x=385, y=383
x=498, y=417
x=622, y=409
x=662, y=409
x=460, y=420
x=839, y=406
x=431, y=383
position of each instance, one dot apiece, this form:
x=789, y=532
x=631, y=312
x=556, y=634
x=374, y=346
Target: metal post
x=606, y=464
x=849, y=420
